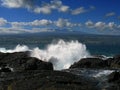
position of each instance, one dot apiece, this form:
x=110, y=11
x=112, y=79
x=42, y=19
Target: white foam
x=18, y=48
x=62, y=54
x=103, y=73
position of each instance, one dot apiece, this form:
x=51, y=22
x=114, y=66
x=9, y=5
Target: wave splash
x=18, y=48
x=62, y=54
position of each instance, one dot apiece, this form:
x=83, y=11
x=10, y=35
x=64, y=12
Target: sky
x=35, y=16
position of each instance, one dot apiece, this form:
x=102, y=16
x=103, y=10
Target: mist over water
x=62, y=54
x=18, y=48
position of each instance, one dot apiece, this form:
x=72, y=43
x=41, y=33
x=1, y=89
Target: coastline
x=27, y=71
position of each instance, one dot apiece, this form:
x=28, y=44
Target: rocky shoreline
x=18, y=71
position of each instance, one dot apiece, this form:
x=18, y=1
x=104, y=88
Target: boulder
x=20, y=61
x=114, y=77
x=90, y=63
x=115, y=63
x=98, y=62
x=114, y=81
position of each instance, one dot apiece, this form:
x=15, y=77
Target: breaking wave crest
x=18, y=48
x=62, y=54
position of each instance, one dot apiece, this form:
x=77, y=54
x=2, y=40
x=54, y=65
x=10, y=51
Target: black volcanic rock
x=5, y=70
x=89, y=63
x=20, y=61
x=98, y=62
x=114, y=77
x=115, y=62
x=114, y=81
x=18, y=71
x=44, y=80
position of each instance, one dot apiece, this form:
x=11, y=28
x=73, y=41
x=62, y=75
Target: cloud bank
x=18, y=3
x=45, y=8
x=102, y=25
x=45, y=25
x=2, y=22
x=35, y=26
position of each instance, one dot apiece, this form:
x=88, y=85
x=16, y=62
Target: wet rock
x=44, y=80
x=20, y=61
x=90, y=63
x=114, y=77
x=98, y=62
x=115, y=62
x=5, y=70
x=114, y=81
x=18, y=71
x=29, y=73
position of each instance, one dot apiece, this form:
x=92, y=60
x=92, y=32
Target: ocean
x=65, y=49
x=95, y=44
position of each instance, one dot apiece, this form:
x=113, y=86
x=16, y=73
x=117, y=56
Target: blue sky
x=34, y=16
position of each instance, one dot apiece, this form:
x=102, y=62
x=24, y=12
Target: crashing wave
x=62, y=54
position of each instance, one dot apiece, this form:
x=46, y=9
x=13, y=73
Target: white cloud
x=17, y=3
x=102, y=25
x=18, y=24
x=112, y=25
x=44, y=8
x=98, y=25
x=110, y=14
x=64, y=8
x=42, y=22
x=22, y=30
x=81, y=10
x=61, y=23
x=89, y=24
x=53, y=5
x=34, y=26
x=12, y=30
x=65, y=23
x=3, y=21
x=78, y=11
x=20, y=27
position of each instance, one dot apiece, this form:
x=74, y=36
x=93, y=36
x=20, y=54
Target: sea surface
x=95, y=44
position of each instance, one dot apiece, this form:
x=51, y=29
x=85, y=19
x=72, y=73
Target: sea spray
x=62, y=54
x=18, y=48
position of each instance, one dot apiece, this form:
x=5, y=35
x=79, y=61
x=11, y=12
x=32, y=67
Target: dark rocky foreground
x=21, y=61
x=101, y=63
x=18, y=71
x=98, y=62
x=44, y=80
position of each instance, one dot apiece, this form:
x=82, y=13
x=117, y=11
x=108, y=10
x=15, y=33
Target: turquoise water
x=100, y=45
